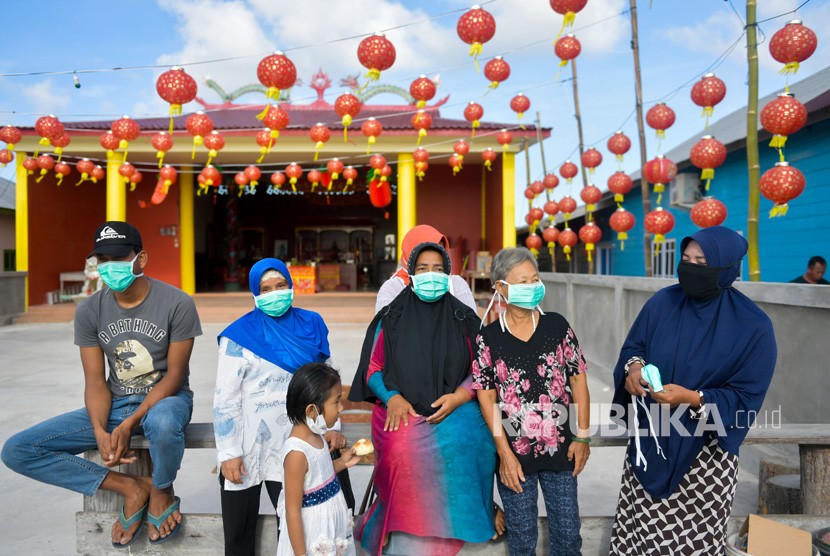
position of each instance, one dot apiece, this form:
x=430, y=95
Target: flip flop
x=156, y=521
x=127, y=523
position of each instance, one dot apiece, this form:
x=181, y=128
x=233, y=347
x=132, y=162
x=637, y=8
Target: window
x=603, y=258
x=9, y=261
x=663, y=258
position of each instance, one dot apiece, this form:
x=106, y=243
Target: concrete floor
x=41, y=376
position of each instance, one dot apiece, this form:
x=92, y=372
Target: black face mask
x=699, y=282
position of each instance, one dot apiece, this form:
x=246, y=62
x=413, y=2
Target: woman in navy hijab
x=715, y=353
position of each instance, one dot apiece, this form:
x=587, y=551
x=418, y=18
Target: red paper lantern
x=62, y=169
x=198, y=124
x=45, y=162
x=488, y=155
x=659, y=222
x=294, y=172
x=590, y=234
x=162, y=142
x=619, y=144
x=420, y=156
x=168, y=176
x=475, y=27
x=661, y=118
x=335, y=168
x=347, y=107
x=6, y=156
x=551, y=208
x=621, y=221
x=591, y=159
x=550, y=182
x=461, y=147
x=792, y=44
x=349, y=174
x=48, y=127
x=98, y=173
x=211, y=177
x=177, y=88
x=707, y=154
x=265, y=141
x=591, y=195
x=30, y=164
x=473, y=114
x=567, y=239
x=85, y=167
x=551, y=235
x=240, y=179
x=529, y=219
x=534, y=243
x=781, y=117
x=60, y=142
x=537, y=187
x=377, y=161
x=567, y=205
x=276, y=119
x=109, y=141
x=567, y=48
x=422, y=89
x=376, y=54
x=660, y=171
x=567, y=8
x=520, y=104
x=253, y=173
x=135, y=179
x=568, y=170
x=314, y=177
x=277, y=180
x=126, y=129
x=707, y=92
x=371, y=128
x=708, y=212
x=504, y=138
x=530, y=194
x=421, y=121
x=781, y=184
x=277, y=73
x=536, y=214
x=455, y=163
x=319, y=134
x=214, y=142
x=619, y=184
x=126, y=171
x=10, y=135
x=380, y=194
x=496, y=71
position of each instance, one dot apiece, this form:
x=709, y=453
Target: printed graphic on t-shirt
x=134, y=365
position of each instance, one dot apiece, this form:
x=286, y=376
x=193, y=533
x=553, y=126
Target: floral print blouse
x=532, y=380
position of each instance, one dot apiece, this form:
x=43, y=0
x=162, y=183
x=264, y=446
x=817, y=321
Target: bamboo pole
x=638, y=90
x=578, y=117
x=542, y=151
x=531, y=226
x=753, y=166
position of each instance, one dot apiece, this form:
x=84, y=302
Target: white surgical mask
x=318, y=424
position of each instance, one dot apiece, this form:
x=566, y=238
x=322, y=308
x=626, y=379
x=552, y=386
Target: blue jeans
x=521, y=514
x=47, y=452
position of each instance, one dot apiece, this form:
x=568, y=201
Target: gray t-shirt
x=135, y=341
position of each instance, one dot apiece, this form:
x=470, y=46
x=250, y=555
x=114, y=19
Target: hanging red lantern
x=455, y=163
x=6, y=156
x=621, y=221
x=591, y=159
x=294, y=172
x=567, y=240
x=177, y=88
x=534, y=243
x=619, y=144
x=420, y=156
x=62, y=169
x=126, y=129
x=265, y=141
x=537, y=187
x=422, y=89
x=314, y=177
x=168, y=176
x=135, y=179
x=277, y=180
x=349, y=174
x=277, y=73
x=567, y=205
x=10, y=135
x=550, y=235
x=198, y=124
x=461, y=147
x=126, y=171
x=792, y=44
x=567, y=48
x=377, y=161
x=708, y=212
x=385, y=172
x=475, y=27
x=781, y=184
x=109, y=141
x=619, y=184
x=162, y=142
x=660, y=117
x=85, y=167
x=569, y=9
x=530, y=194
x=489, y=156
x=473, y=114
x=590, y=234
x=214, y=142
x=376, y=54
x=421, y=121
x=61, y=142
x=551, y=208
x=380, y=194
x=660, y=171
x=347, y=107
x=536, y=215
x=529, y=219
x=568, y=170
x=520, y=104
x=211, y=177
x=30, y=164
x=707, y=154
x=45, y=162
x=659, y=222
x=782, y=117
x=98, y=173
x=371, y=128
x=591, y=195
x=335, y=168
x=496, y=71
x=253, y=173
x=319, y=134
x=707, y=92
x=276, y=119
x=48, y=127
x=504, y=138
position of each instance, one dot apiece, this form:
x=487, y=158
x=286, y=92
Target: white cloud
x=45, y=98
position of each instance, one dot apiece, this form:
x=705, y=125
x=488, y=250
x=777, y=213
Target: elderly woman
x=715, y=351
x=434, y=456
x=528, y=372
x=258, y=355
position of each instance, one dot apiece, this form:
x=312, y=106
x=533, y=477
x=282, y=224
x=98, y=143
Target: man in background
x=815, y=272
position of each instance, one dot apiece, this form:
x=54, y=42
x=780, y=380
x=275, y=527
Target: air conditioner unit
x=684, y=190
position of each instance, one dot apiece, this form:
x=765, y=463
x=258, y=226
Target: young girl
x=314, y=518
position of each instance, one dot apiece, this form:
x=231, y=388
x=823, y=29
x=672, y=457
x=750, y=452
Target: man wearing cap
x=145, y=330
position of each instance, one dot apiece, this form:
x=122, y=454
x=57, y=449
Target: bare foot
x=136, y=496
x=160, y=500
x=500, y=524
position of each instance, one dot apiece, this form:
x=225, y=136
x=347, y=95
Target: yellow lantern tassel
x=60, y=179
x=618, y=198
x=591, y=208
x=44, y=141
x=588, y=249
x=551, y=250
x=317, y=148
x=567, y=250
x=348, y=183
x=421, y=134
x=261, y=115
x=488, y=165
x=132, y=185
x=372, y=75
x=476, y=124
x=42, y=175
x=660, y=133
x=455, y=170
x=590, y=171
x=241, y=190
x=790, y=67
x=293, y=182
x=778, y=141
x=563, y=63
x=777, y=210
x=160, y=156
x=58, y=151
x=493, y=86
x=475, y=52
x=659, y=187
x=273, y=92
x=708, y=182
x=707, y=174
x=262, y=152
x=421, y=103
x=371, y=142
x=197, y=140
x=211, y=155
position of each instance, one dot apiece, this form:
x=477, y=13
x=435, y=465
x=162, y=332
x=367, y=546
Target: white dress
x=327, y=523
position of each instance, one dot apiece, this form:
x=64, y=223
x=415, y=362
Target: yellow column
x=187, y=241
x=116, y=189
x=484, y=206
x=21, y=222
x=508, y=200
x=407, y=209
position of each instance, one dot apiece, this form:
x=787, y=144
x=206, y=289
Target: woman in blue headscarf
x=258, y=355
x=714, y=350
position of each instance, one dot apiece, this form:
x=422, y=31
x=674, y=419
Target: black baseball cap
x=115, y=239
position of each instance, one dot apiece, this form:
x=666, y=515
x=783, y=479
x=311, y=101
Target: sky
x=680, y=40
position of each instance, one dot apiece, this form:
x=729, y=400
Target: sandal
x=156, y=521
x=127, y=523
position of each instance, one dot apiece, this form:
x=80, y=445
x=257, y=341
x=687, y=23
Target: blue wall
x=786, y=243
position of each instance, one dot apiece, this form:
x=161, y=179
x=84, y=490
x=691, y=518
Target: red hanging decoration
x=496, y=71
x=591, y=195
x=781, y=184
x=294, y=172
x=534, y=243
x=551, y=208
x=214, y=142
x=6, y=156
x=473, y=114
x=98, y=173
x=349, y=174
x=162, y=142
x=167, y=177
x=590, y=234
x=708, y=212
x=319, y=134
x=277, y=180
x=211, y=177
x=45, y=162
x=385, y=172
x=10, y=135
x=109, y=141
x=380, y=194
x=198, y=124
x=660, y=117
x=567, y=240
x=707, y=154
x=537, y=187
x=335, y=168
x=504, y=138
x=241, y=180
x=567, y=205
x=252, y=174
x=347, y=107
x=530, y=194
x=660, y=171
x=550, y=235
x=550, y=182
x=126, y=171
x=265, y=142
x=659, y=222
x=30, y=164
x=421, y=156
x=376, y=54
x=591, y=159
x=782, y=117
x=277, y=73
x=520, y=104
x=61, y=142
x=475, y=27
x=48, y=127
x=707, y=92
x=371, y=128
x=568, y=170
x=62, y=169
x=619, y=184
x=377, y=161
x=275, y=119
x=126, y=129
x=569, y=9
x=461, y=147
x=792, y=44
x=621, y=221
x=422, y=89
x=567, y=48
x=177, y=88
x=455, y=164
x=489, y=156
x=619, y=144
x=85, y=167
x=421, y=121
x=135, y=179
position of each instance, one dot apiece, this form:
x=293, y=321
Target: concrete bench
x=203, y=533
